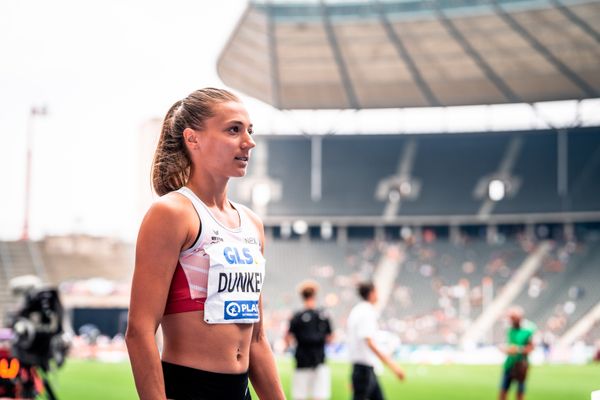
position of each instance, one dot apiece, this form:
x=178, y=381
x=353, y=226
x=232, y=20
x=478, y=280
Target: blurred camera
x=38, y=339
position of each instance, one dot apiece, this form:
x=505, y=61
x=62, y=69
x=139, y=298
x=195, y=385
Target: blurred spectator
x=311, y=329
x=364, y=352
x=519, y=345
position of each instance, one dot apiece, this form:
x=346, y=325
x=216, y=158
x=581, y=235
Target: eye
x=250, y=131
x=234, y=129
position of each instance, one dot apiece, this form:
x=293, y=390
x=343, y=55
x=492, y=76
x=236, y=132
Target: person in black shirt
x=311, y=329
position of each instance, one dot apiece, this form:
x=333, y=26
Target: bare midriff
x=191, y=342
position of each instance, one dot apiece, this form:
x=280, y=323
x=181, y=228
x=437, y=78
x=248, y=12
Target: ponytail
x=171, y=164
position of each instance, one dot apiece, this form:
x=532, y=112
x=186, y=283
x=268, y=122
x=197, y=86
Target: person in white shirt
x=363, y=351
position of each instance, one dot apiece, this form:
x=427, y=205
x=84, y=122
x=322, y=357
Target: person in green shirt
x=519, y=345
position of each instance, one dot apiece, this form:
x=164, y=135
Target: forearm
x=146, y=366
x=385, y=359
x=263, y=371
x=288, y=340
x=516, y=349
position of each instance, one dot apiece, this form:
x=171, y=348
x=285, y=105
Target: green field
x=92, y=380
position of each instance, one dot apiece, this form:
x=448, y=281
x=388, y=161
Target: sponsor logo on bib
x=242, y=256
x=241, y=309
x=251, y=240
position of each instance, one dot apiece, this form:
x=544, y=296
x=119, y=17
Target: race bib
x=235, y=280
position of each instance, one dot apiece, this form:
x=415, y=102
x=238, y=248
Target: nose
x=248, y=142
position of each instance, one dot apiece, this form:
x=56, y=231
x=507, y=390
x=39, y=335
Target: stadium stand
x=439, y=290
x=18, y=258
x=89, y=271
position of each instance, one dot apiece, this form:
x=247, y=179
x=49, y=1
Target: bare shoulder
x=170, y=206
x=171, y=217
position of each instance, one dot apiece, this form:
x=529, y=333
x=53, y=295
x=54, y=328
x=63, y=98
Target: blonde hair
x=171, y=165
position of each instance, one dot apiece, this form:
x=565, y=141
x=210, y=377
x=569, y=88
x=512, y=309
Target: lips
x=242, y=159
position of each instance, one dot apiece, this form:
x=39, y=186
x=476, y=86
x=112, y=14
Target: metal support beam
x=273, y=59
x=576, y=20
x=418, y=220
x=547, y=54
x=405, y=56
x=339, y=59
x=562, y=163
x=488, y=71
x=316, y=167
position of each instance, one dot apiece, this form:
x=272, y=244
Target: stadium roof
x=412, y=53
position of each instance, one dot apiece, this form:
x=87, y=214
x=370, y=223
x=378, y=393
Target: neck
x=311, y=304
x=212, y=192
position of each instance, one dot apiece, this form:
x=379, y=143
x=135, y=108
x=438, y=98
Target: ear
x=190, y=137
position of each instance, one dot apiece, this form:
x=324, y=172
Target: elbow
x=133, y=334
x=129, y=337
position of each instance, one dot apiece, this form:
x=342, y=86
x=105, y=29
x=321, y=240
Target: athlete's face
x=225, y=143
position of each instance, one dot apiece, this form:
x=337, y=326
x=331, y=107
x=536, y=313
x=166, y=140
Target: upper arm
x=163, y=233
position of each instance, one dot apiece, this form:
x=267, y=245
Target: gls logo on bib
x=241, y=309
x=233, y=255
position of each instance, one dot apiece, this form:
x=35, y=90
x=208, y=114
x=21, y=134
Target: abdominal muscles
x=189, y=341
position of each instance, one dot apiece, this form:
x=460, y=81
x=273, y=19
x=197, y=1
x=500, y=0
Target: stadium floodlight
x=326, y=230
x=405, y=188
x=300, y=227
x=286, y=229
x=395, y=188
x=496, y=190
x=394, y=195
x=261, y=194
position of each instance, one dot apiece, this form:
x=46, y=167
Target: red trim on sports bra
x=179, y=299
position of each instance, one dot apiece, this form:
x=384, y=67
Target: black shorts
x=185, y=383
x=364, y=383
